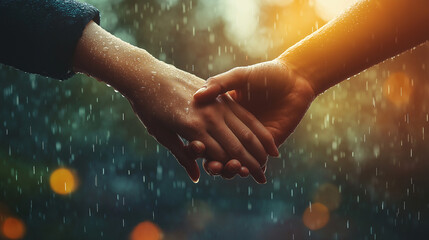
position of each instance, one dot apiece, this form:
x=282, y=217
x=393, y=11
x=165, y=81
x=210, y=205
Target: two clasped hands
x=235, y=132
x=237, y=119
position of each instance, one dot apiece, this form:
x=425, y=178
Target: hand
x=276, y=95
x=226, y=129
x=161, y=96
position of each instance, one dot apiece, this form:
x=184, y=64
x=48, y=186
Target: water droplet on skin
x=105, y=48
x=138, y=60
x=187, y=110
x=117, y=47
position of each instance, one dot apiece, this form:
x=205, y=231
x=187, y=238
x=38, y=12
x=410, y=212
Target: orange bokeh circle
x=146, y=231
x=63, y=181
x=13, y=228
x=316, y=216
x=398, y=89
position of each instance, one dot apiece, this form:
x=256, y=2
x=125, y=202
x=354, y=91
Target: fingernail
x=196, y=180
x=201, y=90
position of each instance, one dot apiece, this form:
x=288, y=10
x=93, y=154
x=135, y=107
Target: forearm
x=368, y=33
x=111, y=60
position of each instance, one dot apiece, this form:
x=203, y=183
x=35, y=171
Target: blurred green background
x=355, y=168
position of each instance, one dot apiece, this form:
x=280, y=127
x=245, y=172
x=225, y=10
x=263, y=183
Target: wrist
x=107, y=58
x=299, y=69
x=301, y=77
x=129, y=70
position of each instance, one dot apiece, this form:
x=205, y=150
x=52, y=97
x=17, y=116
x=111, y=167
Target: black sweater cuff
x=40, y=36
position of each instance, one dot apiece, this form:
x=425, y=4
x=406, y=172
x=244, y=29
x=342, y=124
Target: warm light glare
x=328, y=9
x=397, y=89
x=146, y=231
x=13, y=228
x=316, y=216
x=63, y=181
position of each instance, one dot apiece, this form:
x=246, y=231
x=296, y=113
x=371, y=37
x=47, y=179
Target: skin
x=366, y=34
x=161, y=96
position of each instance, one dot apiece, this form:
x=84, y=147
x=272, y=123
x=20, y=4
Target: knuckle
x=211, y=80
x=248, y=136
x=237, y=151
x=214, y=81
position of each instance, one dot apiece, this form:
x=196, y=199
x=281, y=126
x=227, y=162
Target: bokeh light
x=316, y=216
x=63, y=181
x=328, y=9
x=397, y=89
x=328, y=195
x=13, y=228
x=146, y=231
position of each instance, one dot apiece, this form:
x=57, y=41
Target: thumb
x=222, y=83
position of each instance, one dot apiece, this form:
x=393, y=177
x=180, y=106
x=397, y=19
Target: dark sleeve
x=40, y=36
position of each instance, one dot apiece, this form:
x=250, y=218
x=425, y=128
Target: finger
x=232, y=168
x=216, y=168
x=236, y=150
x=247, y=138
x=172, y=141
x=196, y=149
x=222, y=83
x=255, y=126
x=212, y=167
x=214, y=151
x=244, y=172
